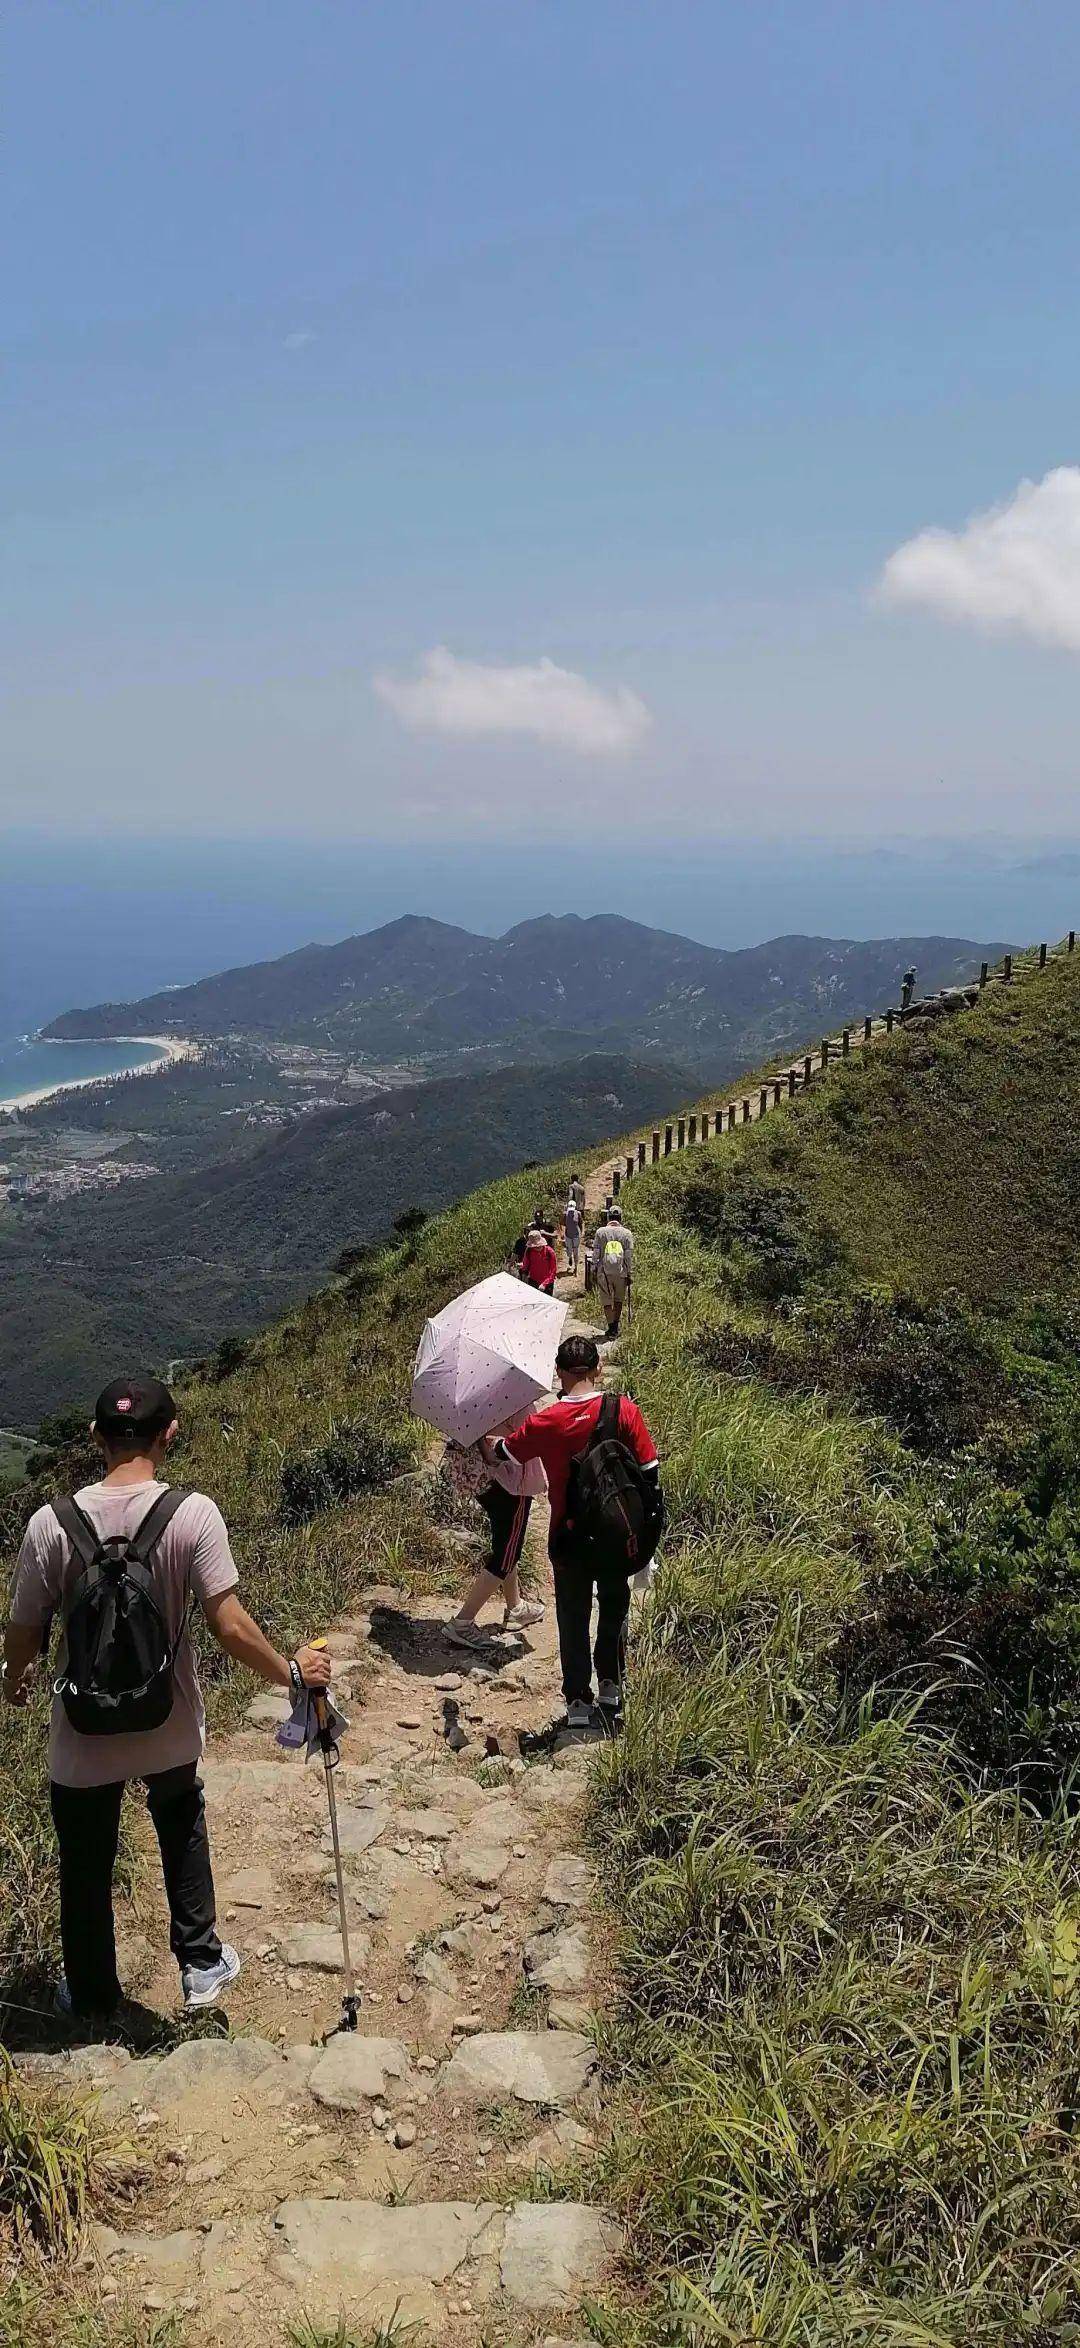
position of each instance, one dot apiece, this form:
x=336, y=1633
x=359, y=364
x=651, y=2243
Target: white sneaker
x=203, y=1986
x=522, y=1616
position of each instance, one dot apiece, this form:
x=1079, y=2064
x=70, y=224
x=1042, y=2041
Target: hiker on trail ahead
x=572, y=1233
x=540, y=1264
x=127, y=1702
x=613, y=1266
x=577, y=1193
x=505, y=1491
x=606, y=1518
x=907, y=990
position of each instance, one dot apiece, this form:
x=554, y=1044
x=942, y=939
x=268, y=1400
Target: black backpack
x=119, y=1658
x=614, y=1511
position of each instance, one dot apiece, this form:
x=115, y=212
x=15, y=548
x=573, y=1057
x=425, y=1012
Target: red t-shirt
x=556, y=1436
x=539, y=1264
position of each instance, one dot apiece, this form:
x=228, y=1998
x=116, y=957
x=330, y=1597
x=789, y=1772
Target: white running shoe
x=202, y=1986
x=522, y=1616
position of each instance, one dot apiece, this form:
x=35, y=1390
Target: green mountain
x=420, y=989
x=160, y=1269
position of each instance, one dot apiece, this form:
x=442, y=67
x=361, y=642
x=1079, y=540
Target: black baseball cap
x=134, y=1410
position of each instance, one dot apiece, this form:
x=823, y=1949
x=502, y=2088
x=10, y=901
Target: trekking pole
x=350, y=2002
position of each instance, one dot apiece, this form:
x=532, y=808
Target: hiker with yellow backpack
x=613, y=1267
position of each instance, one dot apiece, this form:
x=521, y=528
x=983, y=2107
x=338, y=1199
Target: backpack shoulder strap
x=606, y=1429
x=154, y=1523
x=74, y=1521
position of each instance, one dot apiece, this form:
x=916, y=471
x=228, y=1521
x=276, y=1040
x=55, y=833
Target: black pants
x=576, y=1577
x=87, y=1822
x=508, y=1517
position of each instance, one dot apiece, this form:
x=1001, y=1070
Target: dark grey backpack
x=119, y=1658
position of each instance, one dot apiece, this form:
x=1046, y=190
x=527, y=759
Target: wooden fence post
x=792, y=1083
x=777, y=1091
x=1006, y=971
x=763, y=1100
x=746, y=1112
x=692, y=1129
x=630, y=1162
x=668, y=1138
x=616, y=1182
x=867, y=1030
x=1072, y=941
x=890, y=1017
x=640, y=1154
x=681, y=1130
x=845, y=1044
x=731, y=1117
x=807, y=1068
x=984, y=973
x=655, y=1147
x=824, y=1051
x=1042, y=957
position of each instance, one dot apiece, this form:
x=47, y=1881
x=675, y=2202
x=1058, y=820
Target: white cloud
x=452, y=696
x=1015, y=568
x=299, y=339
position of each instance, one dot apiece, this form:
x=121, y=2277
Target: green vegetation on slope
x=849, y=2026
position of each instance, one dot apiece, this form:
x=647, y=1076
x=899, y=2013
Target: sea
x=26, y=1064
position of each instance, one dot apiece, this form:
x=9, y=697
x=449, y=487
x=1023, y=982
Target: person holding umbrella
x=505, y=1492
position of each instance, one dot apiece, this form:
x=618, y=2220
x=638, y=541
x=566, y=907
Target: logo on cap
x=124, y=1402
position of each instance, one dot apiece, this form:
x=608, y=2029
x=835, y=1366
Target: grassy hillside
x=843, y=2038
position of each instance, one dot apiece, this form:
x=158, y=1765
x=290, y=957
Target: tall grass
x=846, y=2044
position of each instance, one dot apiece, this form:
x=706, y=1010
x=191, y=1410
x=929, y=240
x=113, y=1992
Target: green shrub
x=761, y=1223
x=357, y=1458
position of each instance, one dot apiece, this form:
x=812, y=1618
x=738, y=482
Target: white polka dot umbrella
x=486, y=1357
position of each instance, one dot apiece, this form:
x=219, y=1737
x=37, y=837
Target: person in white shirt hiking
x=572, y=1232
x=613, y=1267
x=122, y=1563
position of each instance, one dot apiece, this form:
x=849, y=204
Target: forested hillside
x=167, y=1267
x=423, y=989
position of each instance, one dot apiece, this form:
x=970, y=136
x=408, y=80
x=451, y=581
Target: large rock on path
x=535, y=2066
x=340, y=2247
x=552, y=2250
x=319, y=1947
x=353, y=2071
x=558, y=1960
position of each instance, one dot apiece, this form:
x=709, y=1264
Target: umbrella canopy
x=486, y=1357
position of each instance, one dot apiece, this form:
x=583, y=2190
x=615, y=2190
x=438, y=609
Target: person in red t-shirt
x=539, y=1264
x=556, y=1436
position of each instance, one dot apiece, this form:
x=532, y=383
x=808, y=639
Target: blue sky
x=635, y=339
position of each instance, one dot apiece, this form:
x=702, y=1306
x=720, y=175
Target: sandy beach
x=174, y=1048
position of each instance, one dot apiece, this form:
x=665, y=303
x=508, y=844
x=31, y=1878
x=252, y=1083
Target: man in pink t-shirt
x=135, y=1422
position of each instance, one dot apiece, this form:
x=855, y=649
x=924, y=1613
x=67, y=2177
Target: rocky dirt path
x=410, y=2167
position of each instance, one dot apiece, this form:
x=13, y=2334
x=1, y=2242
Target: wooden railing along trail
x=746, y=1108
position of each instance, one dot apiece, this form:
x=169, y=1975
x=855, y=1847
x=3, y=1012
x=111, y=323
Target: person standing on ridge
x=582, y=1559
x=907, y=990
x=122, y=1563
x=613, y=1266
x=572, y=1233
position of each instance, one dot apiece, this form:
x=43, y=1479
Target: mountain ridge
x=421, y=989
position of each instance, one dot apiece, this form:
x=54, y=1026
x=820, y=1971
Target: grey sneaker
x=203, y=1986
x=468, y=1634
x=579, y=1714
x=609, y=1696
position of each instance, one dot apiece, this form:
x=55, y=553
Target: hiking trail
x=408, y=2168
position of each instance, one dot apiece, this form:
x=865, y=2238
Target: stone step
x=334, y=2258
